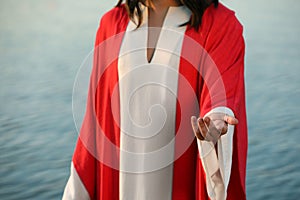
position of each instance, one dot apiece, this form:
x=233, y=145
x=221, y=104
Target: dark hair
x=197, y=8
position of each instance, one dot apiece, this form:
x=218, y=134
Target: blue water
x=42, y=44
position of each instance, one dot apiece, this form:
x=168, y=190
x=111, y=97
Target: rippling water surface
x=42, y=44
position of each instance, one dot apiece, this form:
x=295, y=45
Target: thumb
x=231, y=120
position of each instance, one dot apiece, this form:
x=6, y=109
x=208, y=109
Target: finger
x=195, y=128
x=207, y=121
x=230, y=120
x=213, y=132
x=224, y=129
x=202, y=127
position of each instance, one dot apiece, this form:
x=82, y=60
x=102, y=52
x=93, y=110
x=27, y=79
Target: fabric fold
x=75, y=189
x=217, y=162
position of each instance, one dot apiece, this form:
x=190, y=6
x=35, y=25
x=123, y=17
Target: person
x=164, y=71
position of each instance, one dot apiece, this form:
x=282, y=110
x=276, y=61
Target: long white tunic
x=148, y=106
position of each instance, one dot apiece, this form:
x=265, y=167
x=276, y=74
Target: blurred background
x=42, y=45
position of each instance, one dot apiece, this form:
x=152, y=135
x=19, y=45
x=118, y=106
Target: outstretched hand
x=213, y=126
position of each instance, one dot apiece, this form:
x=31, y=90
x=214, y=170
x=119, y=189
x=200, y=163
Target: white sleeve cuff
x=75, y=189
x=217, y=168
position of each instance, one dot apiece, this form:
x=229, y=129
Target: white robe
x=148, y=104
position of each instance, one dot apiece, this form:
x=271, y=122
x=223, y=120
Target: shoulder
x=111, y=23
x=115, y=14
x=222, y=36
x=220, y=26
x=221, y=19
x=221, y=10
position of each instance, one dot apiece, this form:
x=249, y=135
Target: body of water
x=42, y=44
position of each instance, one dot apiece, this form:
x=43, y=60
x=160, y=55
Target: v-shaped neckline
x=170, y=20
x=175, y=16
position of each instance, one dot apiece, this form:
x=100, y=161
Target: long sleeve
x=94, y=168
x=224, y=92
x=217, y=162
